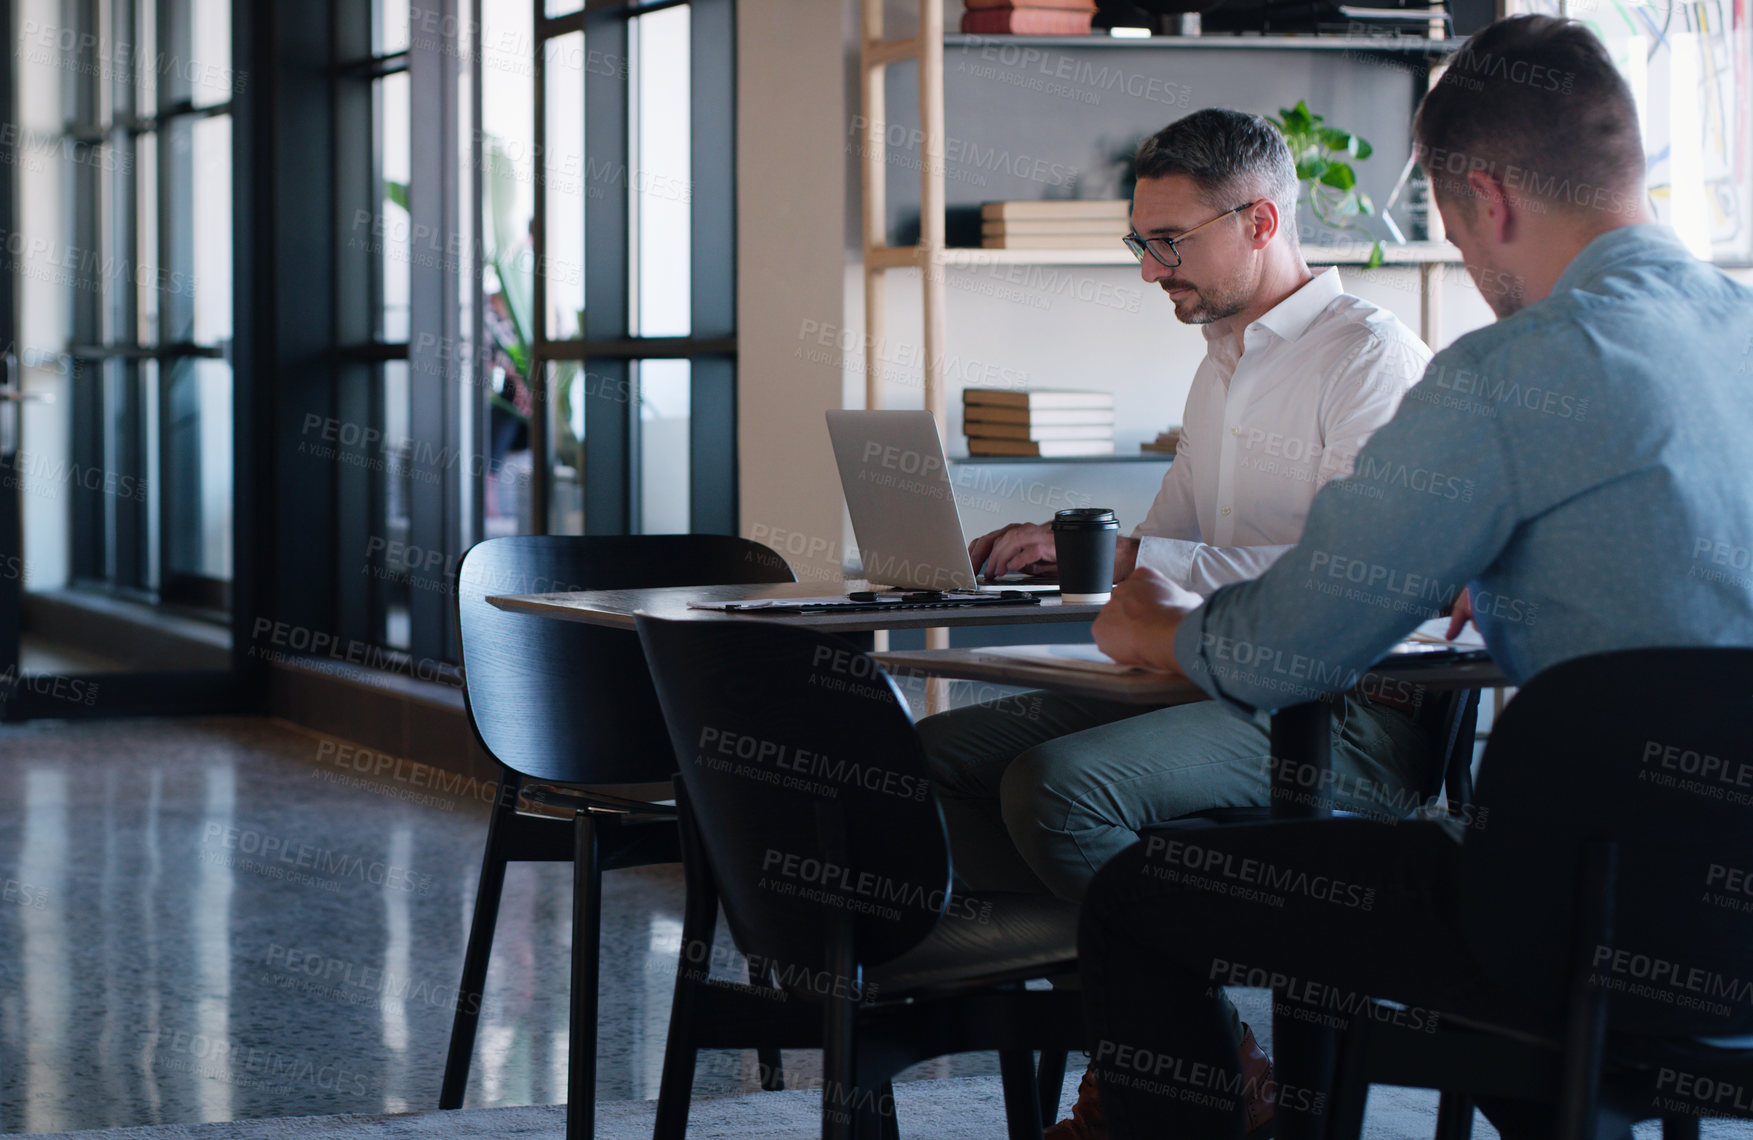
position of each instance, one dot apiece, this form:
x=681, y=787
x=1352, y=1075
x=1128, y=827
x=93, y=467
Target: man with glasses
x=1297, y=374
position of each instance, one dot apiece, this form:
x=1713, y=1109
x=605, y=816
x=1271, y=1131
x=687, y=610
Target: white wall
x=791, y=235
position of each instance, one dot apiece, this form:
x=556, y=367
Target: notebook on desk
x=897, y=486
x=873, y=602
x=1428, y=640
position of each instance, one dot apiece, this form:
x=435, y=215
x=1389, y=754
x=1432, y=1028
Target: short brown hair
x=1231, y=156
x=1535, y=102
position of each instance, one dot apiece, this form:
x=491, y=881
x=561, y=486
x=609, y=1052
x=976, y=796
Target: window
x=126, y=297
x=1688, y=67
x=596, y=143
x=554, y=152
x=373, y=292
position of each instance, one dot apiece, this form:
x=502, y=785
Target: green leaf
x=1297, y=118
x=1312, y=169
x=1362, y=149
x=1339, y=176
x=506, y=240
x=397, y=192
x=1376, y=260
x=1334, y=139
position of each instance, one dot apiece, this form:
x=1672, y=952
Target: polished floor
x=220, y=919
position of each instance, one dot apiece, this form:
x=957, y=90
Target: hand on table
x=1460, y=615
x=1138, y=625
x=1020, y=548
x=1028, y=548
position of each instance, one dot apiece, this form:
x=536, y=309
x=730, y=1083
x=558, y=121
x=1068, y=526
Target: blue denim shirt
x=1586, y=465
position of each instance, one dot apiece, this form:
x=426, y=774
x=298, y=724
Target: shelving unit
x=1349, y=253
x=932, y=259
x=1400, y=45
x=876, y=53
x=1117, y=457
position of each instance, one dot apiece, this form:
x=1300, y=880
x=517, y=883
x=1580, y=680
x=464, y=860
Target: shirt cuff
x=1170, y=557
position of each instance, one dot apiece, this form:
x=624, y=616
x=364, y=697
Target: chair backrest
x=1652, y=751
x=565, y=701
x=808, y=786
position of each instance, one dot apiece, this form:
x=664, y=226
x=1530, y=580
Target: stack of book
x=1164, y=444
x=1049, y=424
x=1058, y=224
x=1028, y=17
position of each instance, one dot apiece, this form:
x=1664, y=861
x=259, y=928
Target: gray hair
x=1232, y=156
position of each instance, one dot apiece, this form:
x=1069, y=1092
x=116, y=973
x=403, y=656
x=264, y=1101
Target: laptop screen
x=898, y=492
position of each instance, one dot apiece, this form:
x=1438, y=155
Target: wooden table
x=616, y=607
x=1301, y=734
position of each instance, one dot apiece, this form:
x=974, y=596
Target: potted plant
x=1323, y=156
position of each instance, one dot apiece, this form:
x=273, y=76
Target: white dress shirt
x=1266, y=427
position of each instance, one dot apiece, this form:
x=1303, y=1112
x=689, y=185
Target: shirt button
x=1236, y=430
x=1226, y=510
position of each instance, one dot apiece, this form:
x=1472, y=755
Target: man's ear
x=1264, y=222
x=1489, y=195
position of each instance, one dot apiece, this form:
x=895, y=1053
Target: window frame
x=607, y=350
x=113, y=547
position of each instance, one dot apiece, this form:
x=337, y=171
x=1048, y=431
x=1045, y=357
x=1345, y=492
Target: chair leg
x=1585, y=1037
x=1049, y=1081
x=772, y=1069
x=1679, y=1128
x=677, y=1085
x=769, y=1064
x=1454, y=1117
x=587, y=922
x=1022, y=1102
x=890, y=1114
x=839, y=1070
x=873, y=1112
x=1350, y=1090
x=699, y=924
x=480, y=946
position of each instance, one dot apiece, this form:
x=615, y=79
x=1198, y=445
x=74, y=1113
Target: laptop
x=897, y=486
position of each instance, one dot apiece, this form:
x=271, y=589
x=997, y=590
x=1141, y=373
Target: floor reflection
x=224, y=919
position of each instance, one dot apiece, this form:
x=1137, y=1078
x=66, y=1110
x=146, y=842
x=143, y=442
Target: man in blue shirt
x=1581, y=467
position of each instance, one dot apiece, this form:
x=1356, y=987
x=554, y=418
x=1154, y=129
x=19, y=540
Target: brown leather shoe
x=1258, y=1091
x=1086, y=1121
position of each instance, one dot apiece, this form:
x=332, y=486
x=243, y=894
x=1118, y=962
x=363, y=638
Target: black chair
x=808, y=814
x=1451, y=723
x=569, y=707
x=1605, y=889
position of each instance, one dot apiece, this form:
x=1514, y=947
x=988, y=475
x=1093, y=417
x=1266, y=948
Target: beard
x=1203, y=305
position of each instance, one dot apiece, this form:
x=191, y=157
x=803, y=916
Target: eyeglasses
x=1165, y=248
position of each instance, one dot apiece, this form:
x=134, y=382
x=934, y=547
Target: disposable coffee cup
x=1084, y=539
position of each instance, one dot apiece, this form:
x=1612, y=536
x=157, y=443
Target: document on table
x=769, y=603
x=1085, y=657
x=1429, y=635
x=1427, y=638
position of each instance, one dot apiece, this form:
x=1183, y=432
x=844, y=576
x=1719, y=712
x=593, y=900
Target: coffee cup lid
x=1085, y=518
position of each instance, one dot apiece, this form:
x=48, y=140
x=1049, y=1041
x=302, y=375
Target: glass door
x=116, y=428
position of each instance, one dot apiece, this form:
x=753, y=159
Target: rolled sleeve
x=1203, y=568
